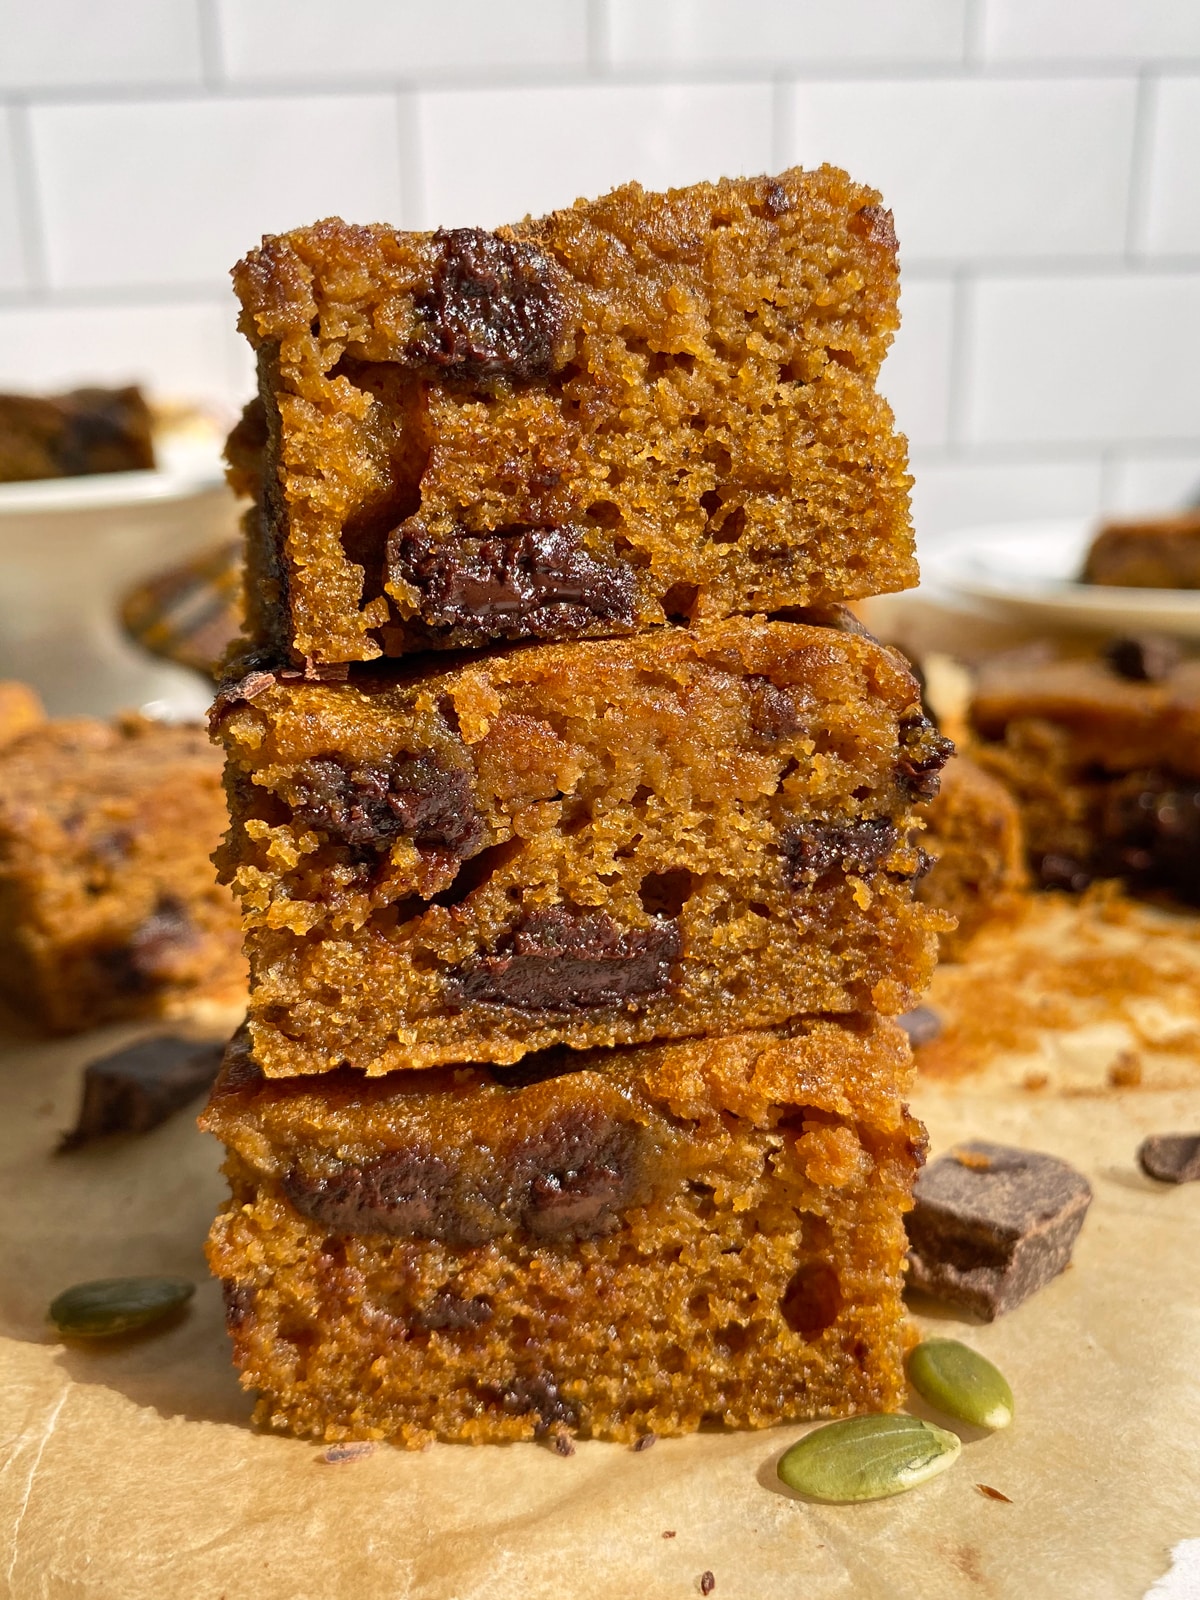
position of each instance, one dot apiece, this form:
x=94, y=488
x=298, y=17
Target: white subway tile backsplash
x=490, y=156
x=13, y=259
x=979, y=169
x=1155, y=482
x=1085, y=359
x=88, y=43
x=916, y=374
x=174, y=192
x=272, y=40
x=188, y=351
x=950, y=497
x=1096, y=30
x=783, y=32
x=1171, y=217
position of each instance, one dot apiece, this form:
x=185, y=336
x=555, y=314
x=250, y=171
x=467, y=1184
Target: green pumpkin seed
x=960, y=1382
x=867, y=1458
x=117, y=1305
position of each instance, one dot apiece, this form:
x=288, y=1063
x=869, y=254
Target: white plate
x=1028, y=569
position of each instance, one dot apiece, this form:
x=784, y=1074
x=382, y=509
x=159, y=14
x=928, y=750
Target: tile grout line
x=212, y=62
x=33, y=235
x=1141, y=165
x=598, y=52
x=627, y=75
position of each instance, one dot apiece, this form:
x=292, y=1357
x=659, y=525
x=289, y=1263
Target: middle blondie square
x=603, y=842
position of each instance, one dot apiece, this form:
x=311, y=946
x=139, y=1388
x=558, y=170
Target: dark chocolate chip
x=372, y=804
x=525, y=583
x=149, y=958
x=563, y=1445
x=774, y=714
x=583, y=1170
x=538, y=1394
x=240, y=1301
x=571, y=1179
x=559, y=960
x=811, y=849
x=405, y=1192
x=923, y=753
x=134, y=1089
x=492, y=310
x=1147, y=659
x=922, y=1025
x=707, y=1583
x=451, y=1313
x=646, y=1441
x=992, y=1224
x=1171, y=1157
x=247, y=679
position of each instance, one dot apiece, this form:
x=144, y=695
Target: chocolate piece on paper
x=134, y=1089
x=922, y=1025
x=992, y=1224
x=1171, y=1157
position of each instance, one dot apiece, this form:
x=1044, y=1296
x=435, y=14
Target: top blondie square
x=641, y=409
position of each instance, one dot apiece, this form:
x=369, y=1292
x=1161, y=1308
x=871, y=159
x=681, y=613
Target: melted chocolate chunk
x=923, y=753
x=450, y=1313
x=992, y=1224
x=1148, y=659
x=1171, y=1157
x=811, y=849
x=585, y=1171
x=571, y=1180
x=492, y=311
x=774, y=714
x=375, y=803
x=150, y=956
x=559, y=960
x=134, y=1089
x=527, y=583
x=537, y=1394
x=405, y=1192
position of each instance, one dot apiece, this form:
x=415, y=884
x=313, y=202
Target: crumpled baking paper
x=134, y=1472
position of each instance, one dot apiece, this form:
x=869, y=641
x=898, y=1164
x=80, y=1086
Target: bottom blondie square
x=109, y=904
x=607, y=1243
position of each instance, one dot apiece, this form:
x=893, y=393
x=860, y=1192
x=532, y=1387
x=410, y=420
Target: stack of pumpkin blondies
x=573, y=823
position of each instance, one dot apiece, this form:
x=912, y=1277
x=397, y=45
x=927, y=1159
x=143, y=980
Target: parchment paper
x=134, y=1472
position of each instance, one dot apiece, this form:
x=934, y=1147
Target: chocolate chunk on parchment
x=373, y=803
x=811, y=849
x=992, y=1224
x=492, y=310
x=1171, y=1157
x=134, y=1089
x=1148, y=658
x=922, y=1025
x=525, y=583
x=560, y=960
